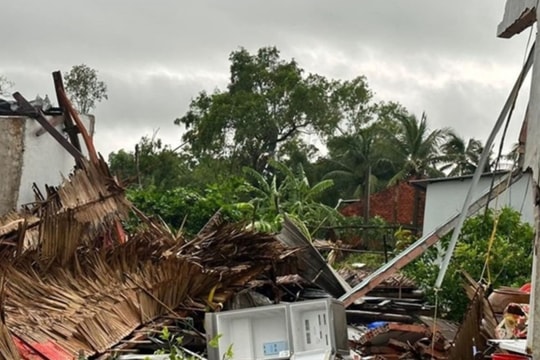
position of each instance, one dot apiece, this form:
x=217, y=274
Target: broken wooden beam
x=40, y=117
x=70, y=127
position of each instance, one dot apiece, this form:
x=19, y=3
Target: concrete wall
x=11, y=159
x=27, y=158
x=444, y=199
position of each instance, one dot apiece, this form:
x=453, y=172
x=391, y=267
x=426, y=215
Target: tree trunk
x=367, y=193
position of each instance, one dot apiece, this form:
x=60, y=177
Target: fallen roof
x=83, y=289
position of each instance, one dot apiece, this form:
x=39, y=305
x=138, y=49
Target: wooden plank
x=92, y=153
x=26, y=106
x=71, y=129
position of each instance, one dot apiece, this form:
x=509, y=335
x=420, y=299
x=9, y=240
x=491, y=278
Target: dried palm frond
x=83, y=294
x=8, y=350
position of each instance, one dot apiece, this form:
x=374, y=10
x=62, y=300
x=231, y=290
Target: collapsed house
x=75, y=287
x=74, y=284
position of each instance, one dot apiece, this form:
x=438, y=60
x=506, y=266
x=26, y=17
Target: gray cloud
x=441, y=57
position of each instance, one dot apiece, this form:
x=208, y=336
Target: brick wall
x=396, y=205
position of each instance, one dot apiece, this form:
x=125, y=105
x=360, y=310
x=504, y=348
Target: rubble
x=74, y=284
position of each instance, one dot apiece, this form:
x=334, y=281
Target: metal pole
x=485, y=154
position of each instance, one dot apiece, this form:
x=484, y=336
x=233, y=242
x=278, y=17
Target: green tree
x=268, y=103
x=285, y=192
x=363, y=155
x=190, y=208
x=461, y=157
x=351, y=101
x=414, y=149
x=150, y=164
x=509, y=261
x=84, y=87
x=356, y=156
x=5, y=86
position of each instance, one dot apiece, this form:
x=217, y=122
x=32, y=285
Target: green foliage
x=173, y=347
x=191, y=207
x=414, y=148
x=403, y=238
x=151, y=164
x=351, y=101
x=357, y=157
x=461, y=157
x=510, y=259
x=285, y=192
x=264, y=127
x=84, y=87
x=268, y=103
x=214, y=342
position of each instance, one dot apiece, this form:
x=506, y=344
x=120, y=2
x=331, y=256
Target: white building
x=28, y=155
x=445, y=196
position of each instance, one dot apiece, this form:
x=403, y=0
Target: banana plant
x=284, y=192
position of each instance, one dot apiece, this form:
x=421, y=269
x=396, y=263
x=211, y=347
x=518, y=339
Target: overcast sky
x=442, y=57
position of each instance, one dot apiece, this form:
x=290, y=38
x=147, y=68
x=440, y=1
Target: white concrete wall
x=444, y=199
x=11, y=158
x=43, y=161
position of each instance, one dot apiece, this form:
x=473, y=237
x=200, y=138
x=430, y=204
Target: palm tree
x=461, y=157
x=358, y=157
x=354, y=155
x=284, y=191
x=414, y=149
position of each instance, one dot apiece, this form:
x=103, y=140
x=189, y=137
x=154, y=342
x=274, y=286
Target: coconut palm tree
x=461, y=157
x=358, y=158
x=355, y=156
x=414, y=149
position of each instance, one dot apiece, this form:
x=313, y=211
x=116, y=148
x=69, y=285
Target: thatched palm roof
x=80, y=286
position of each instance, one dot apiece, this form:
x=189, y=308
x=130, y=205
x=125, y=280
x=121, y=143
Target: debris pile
x=402, y=341
x=72, y=284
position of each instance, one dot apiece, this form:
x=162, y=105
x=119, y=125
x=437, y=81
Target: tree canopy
x=273, y=112
x=269, y=103
x=84, y=87
x=460, y=156
x=415, y=148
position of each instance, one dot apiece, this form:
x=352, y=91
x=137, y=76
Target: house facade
x=444, y=197
x=28, y=155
